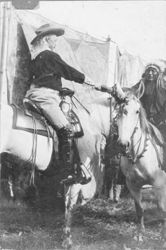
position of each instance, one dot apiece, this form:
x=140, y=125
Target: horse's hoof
x=67, y=243
x=164, y=245
x=138, y=237
x=135, y=237
x=116, y=200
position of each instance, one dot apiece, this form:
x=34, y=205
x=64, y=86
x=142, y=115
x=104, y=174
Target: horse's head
x=130, y=117
x=128, y=120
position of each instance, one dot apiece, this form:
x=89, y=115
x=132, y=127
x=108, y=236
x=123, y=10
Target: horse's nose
x=123, y=145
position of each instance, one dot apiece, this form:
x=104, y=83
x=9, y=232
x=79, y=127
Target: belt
x=44, y=76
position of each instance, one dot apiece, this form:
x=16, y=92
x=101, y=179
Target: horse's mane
x=143, y=120
x=145, y=126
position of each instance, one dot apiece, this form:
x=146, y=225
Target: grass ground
x=100, y=224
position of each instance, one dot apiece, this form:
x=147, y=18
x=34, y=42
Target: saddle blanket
x=33, y=123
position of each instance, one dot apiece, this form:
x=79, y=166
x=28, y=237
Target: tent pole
x=4, y=32
x=5, y=8
x=113, y=61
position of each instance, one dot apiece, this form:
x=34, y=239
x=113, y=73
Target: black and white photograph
x=82, y=125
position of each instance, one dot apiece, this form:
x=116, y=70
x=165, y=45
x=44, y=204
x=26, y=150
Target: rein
x=134, y=157
x=80, y=104
x=129, y=153
x=157, y=153
x=33, y=154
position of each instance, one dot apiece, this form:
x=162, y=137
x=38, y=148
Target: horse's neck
x=98, y=121
x=138, y=141
x=161, y=97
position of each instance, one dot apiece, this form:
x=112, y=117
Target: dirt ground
x=101, y=224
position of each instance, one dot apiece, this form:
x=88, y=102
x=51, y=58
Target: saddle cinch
x=32, y=120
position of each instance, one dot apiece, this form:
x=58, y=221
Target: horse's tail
x=6, y=117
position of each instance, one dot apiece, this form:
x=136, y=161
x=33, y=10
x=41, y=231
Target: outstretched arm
x=68, y=72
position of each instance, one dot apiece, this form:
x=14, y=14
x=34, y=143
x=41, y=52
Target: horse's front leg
x=10, y=184
x=71, y=197
x=160, y=188
x=140, y=216
x=136, y=194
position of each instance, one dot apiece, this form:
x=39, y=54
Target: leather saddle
x=31, y=119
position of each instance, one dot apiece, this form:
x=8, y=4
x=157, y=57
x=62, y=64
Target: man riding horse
x=149, y=79
x=150, y=83
x=46, y=70
x=152, y=87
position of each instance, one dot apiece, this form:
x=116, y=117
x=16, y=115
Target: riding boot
x=65, y=148
x=71, y=172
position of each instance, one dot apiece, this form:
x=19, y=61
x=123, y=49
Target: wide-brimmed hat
x=45, y=30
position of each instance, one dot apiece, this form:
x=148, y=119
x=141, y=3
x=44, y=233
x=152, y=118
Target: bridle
x=129, y=152
x=135, y=156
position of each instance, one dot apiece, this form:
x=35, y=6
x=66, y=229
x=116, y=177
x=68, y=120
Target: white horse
x=142, y=161
x=31, y=145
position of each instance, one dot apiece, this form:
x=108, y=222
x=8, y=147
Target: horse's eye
x=137, y=112
x=125, y=112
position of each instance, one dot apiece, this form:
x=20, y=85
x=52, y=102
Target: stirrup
x=84, y=180
x=75, y=180
x=69, y=180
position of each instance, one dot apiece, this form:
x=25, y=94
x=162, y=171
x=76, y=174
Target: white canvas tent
x=97, y=59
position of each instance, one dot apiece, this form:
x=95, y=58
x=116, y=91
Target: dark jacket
x=47, y=69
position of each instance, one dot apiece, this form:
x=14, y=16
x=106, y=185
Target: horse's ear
x=138, y=89
x=118, y=93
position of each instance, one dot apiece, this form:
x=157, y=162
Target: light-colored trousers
x=48, y=100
